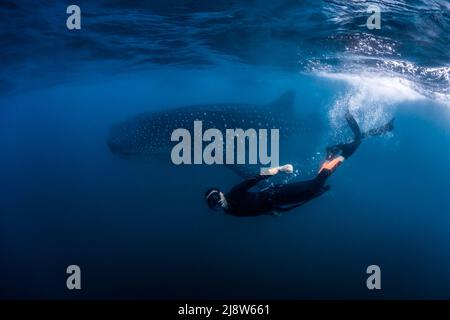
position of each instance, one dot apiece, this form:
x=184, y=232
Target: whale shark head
x=121, y=141
x=150, y=133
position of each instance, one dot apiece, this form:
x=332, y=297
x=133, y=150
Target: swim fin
x=388, y=127
x=353, y=126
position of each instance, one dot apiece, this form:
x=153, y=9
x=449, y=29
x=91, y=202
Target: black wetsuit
x=284, y=197
x=242, y=202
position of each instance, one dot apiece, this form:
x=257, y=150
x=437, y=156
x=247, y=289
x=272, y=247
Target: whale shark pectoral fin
x=284, y=102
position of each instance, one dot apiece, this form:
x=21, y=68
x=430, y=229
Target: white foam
x=373, y=87
x=371, y=97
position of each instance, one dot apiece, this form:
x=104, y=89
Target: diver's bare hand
x=287, y=168
x=271, y=171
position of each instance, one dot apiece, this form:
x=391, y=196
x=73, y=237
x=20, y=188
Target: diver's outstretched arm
x=251, y=182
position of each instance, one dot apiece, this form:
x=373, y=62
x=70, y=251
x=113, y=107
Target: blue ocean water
x=139, y=228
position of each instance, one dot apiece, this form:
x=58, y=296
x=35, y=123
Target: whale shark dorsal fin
x=284, y=102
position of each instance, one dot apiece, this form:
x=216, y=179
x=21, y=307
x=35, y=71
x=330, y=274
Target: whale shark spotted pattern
x=150, y=133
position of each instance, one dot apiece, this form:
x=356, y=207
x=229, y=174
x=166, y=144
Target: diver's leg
x=333, y=151
x=306, y=190
x=331, y=164
x=297, y=192
x=349, y=148
x=338, y=153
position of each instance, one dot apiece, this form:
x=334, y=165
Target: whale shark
x=150, y=133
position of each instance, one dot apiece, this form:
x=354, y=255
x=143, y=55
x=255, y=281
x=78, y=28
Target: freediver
x=280, y=198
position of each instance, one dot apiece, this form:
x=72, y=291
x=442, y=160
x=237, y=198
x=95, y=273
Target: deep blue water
x=139, y=228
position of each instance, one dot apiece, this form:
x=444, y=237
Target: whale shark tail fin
x=284, y=102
